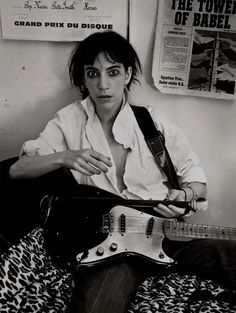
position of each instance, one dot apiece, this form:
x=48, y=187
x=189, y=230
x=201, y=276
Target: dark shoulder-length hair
x=116, y=49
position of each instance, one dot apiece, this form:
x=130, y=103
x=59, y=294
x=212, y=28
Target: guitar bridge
x=107, y=222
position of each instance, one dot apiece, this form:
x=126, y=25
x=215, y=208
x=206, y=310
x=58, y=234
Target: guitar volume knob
x=100, y=251
x=113, y=246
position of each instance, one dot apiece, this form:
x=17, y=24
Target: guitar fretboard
x=188, y=230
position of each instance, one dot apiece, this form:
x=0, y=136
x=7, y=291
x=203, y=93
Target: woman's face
x=106, y=81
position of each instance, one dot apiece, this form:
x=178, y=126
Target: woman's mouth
x=104, y=97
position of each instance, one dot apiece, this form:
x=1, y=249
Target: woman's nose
x=103, y=82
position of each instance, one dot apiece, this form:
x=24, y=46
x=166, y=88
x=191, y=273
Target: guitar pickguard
x=130, y=232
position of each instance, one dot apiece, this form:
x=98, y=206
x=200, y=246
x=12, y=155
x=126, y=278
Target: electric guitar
x=133, y=232
x=94, y=226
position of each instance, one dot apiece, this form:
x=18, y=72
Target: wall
x=34, y=84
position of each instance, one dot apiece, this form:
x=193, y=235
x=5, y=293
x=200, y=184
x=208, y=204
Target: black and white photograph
x=117, y=156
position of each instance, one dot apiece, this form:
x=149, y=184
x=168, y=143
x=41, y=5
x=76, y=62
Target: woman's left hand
x=172, y=210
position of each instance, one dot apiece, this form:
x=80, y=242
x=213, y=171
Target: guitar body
x=73, y=226
x=141, y=235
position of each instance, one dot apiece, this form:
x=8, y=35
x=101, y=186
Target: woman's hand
x=172, y=210
x=87, y=161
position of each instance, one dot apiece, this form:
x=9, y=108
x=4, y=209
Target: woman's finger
x=98, y=160
x=85, y=168
x=164, y=210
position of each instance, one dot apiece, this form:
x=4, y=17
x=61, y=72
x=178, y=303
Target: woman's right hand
x=87, y=161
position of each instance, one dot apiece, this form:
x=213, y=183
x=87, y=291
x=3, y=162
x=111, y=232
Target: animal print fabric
x=28, y=280
x=174, y=293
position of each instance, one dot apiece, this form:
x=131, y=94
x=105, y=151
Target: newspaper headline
x=61, y=20
x=195, y=48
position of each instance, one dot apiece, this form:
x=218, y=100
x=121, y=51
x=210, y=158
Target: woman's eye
x=113, y=73
x=92, y=74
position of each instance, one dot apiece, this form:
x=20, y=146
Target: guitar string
x=172, y=221
x=185, y=229
x=179, y=233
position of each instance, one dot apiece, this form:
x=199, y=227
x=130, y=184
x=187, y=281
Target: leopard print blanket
x=28, y=280
x=173, y=293
x=30, y=283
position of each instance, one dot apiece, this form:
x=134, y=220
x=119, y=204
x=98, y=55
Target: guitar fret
x=189, y=230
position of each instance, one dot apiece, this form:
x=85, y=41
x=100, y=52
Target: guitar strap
x=156, y=143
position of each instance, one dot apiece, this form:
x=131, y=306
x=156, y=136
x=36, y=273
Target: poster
x=195, y=48
x=61, y=20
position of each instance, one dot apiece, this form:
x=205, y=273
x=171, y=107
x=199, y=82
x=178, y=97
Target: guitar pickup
x=150, y=225
x=122, y=225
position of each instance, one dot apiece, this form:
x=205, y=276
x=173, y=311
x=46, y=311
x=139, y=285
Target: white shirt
x=77, y=127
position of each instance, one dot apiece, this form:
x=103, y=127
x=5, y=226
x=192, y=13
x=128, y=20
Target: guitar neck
x=92, y=193
x=135, y=203
x=174, y=229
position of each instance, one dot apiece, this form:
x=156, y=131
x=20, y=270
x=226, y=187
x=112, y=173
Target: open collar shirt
x=77, y=127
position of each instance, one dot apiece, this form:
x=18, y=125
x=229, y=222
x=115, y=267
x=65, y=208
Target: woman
x=99, y=140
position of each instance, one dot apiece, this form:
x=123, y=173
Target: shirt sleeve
x=185, y=161
x=50, y=140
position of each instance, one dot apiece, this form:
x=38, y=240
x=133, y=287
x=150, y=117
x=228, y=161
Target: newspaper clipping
x=195, y=48
x=61, y=20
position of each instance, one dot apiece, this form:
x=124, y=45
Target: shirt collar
x=123, y=127
x=89, y=107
